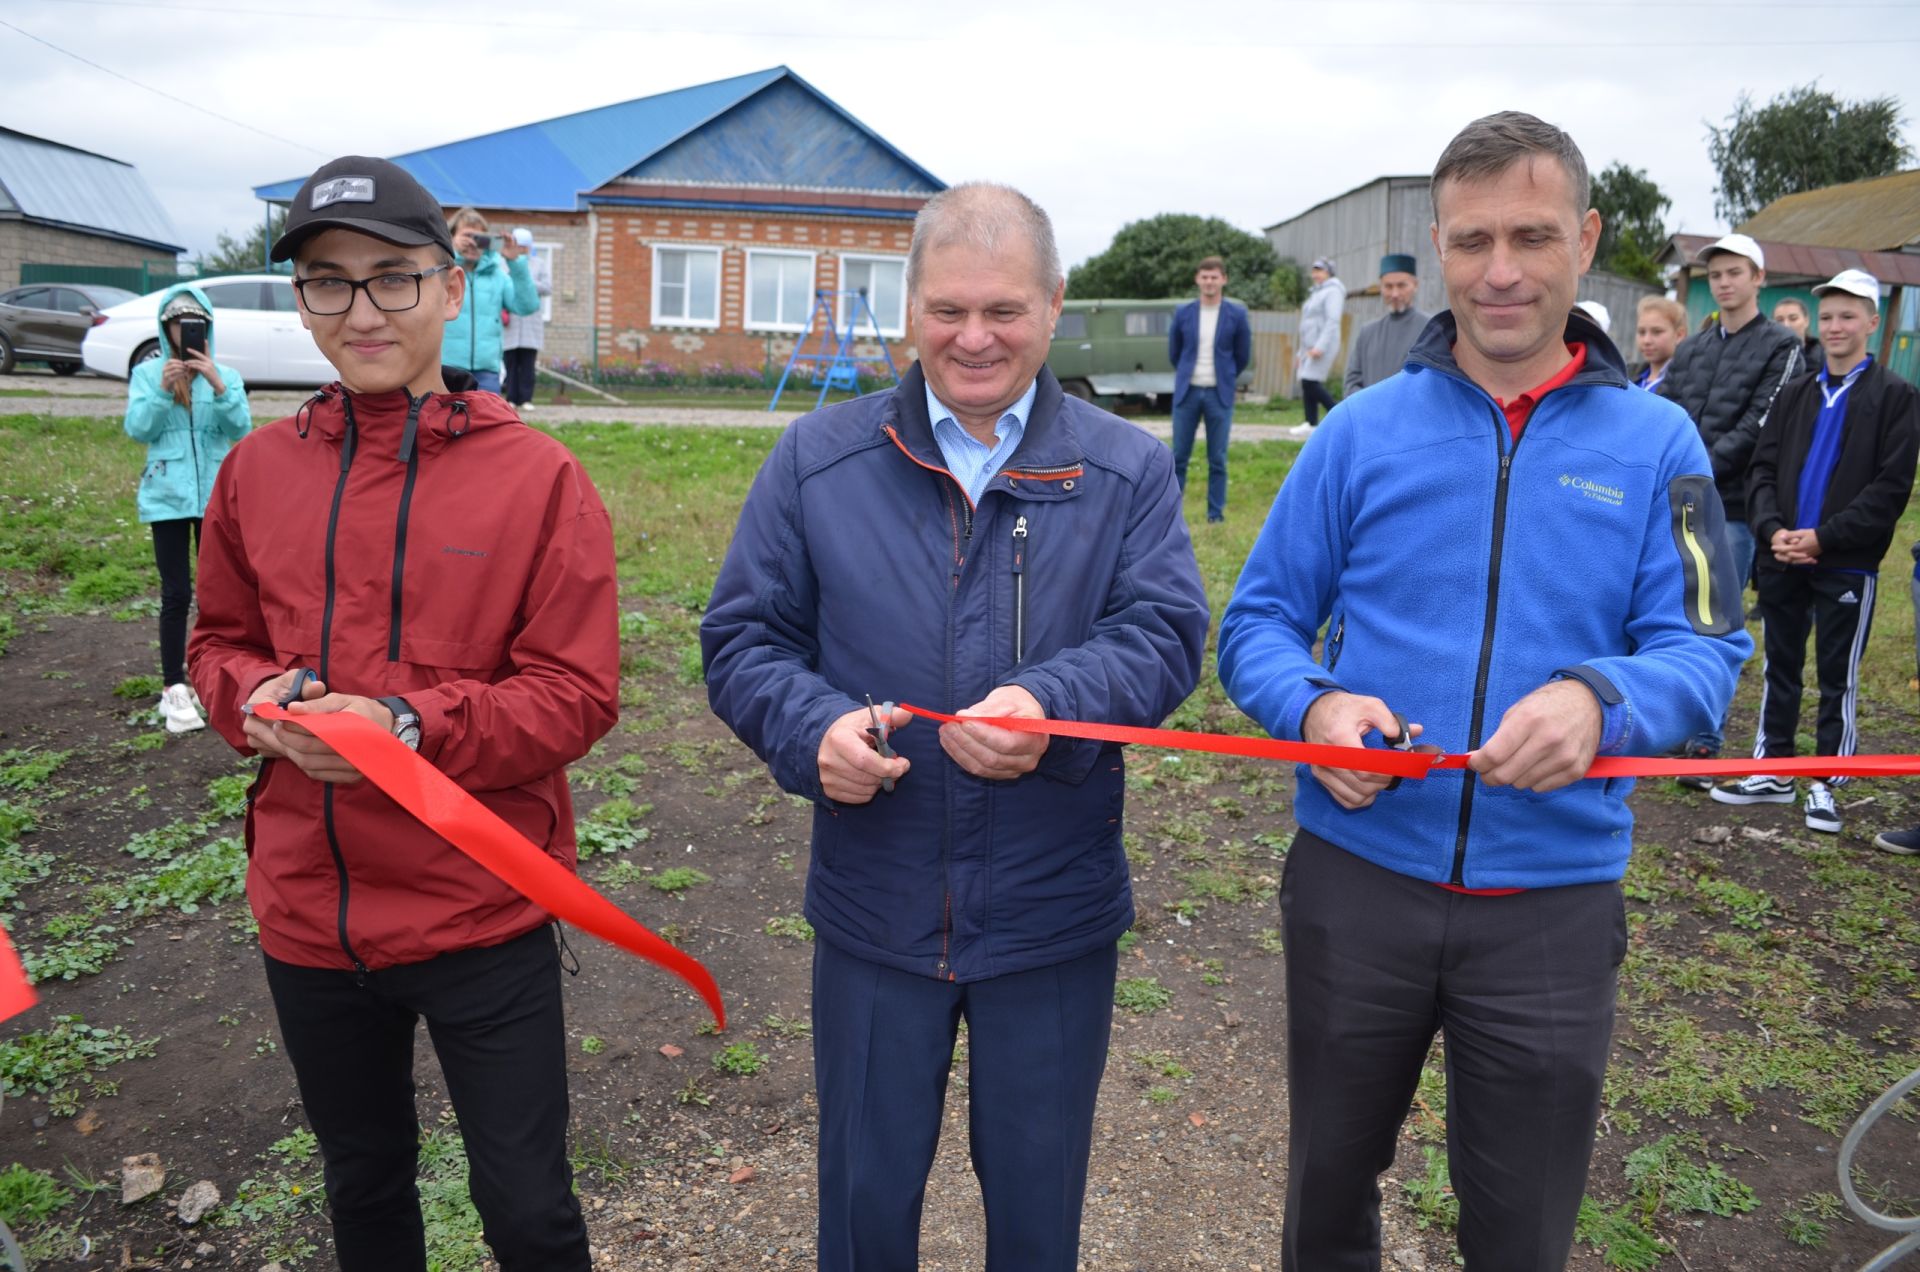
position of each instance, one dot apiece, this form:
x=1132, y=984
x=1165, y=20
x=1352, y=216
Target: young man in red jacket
x=447, y=573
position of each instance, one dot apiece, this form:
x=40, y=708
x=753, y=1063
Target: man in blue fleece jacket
x=1524, y=560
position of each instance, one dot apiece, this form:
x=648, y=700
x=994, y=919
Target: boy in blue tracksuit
x=974, y=542
x=1524, y=560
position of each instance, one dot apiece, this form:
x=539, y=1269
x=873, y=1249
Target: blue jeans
x=1187, y=413
x=1740, y=547
x=488, y=380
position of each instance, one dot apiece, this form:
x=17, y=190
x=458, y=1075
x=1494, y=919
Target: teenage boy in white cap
x=1829, y=480
x=1727, y=378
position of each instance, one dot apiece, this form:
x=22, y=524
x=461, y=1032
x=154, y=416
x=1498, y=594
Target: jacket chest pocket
x=448, y=612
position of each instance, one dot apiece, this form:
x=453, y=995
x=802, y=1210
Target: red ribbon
x=16, y=991
x=1417, y=764
x=478, y=831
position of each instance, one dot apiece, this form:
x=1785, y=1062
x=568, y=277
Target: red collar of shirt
x=1520, y=409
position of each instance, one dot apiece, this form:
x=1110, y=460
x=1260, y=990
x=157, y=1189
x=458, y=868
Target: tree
x=1632, y=222
x=247, y=255
x=1804, y=139
x=1155, y=258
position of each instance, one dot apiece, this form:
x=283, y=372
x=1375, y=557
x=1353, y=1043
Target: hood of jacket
x=395, y=423
x=167, y=298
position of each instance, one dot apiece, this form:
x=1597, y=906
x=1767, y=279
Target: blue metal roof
x=46, y=181
x=549, y=166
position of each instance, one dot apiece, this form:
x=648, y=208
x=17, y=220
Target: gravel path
x=93, y=396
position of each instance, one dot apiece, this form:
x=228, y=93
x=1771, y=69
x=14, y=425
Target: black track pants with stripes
x=1837, y=607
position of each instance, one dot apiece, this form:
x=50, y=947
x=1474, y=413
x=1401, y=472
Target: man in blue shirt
x=1828, y=483
x=1209, y=344
x=978, y=543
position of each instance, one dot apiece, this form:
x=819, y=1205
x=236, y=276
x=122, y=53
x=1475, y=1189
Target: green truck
x=1111, y=350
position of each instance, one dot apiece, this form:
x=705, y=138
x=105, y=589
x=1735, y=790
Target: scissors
x=300, y=680
x=1402, y=742
x=882, y=726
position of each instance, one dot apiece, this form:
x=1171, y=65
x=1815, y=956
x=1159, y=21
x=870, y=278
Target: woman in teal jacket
x=189, y=410
x=498, y=277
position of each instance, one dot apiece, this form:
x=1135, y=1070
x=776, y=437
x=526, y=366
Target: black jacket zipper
x=1486, y=642
x=347, y=446
x=411, y=453
x=1019, y=590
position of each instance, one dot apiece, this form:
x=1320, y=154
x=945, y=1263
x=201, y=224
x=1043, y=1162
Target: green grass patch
x=29, y=1196
x=139, y=688
x=63, y=1061
x=27, y=769
x=792, y=926
x=678, y=879
x=742, y=1059
x=1140, y=995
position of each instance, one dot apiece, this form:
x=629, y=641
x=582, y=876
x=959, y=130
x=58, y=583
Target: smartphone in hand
x=193, y=337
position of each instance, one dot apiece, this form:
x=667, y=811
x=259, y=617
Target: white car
x=256, y=331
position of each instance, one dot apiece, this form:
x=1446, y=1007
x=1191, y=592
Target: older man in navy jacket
x=1209, y=344
x=976, y=542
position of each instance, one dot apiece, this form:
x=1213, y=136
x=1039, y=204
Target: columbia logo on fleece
x=1612, y=496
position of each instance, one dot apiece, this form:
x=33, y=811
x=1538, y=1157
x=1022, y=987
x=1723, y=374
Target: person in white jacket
x=1320, y=337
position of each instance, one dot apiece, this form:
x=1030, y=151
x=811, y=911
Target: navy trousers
x=1522, y=986
x=883, y=1043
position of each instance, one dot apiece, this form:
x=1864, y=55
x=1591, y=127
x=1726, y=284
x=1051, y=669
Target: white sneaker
x=176, y=708
x=525, y=407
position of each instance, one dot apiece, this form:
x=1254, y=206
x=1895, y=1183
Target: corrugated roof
x=1787, y=261
x=1877, y=215
x=550, y=165
x=47, y=181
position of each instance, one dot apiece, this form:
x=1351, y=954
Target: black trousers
x=1523, y=988
x=1314, y=394
x=175, y=544
x=494, y=1016
x=1838, y=609
x=517, y=385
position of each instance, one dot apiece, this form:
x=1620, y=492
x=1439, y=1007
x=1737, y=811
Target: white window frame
x=553, y=272
x=891, y=331
x=719, y=269
x=746, y=296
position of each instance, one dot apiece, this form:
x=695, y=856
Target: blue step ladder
x=832, y=365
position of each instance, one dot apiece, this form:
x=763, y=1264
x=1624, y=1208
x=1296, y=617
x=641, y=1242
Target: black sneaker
x=1905, y=843
x=1696, y=751
x=1758, y=789
x=1821, y=813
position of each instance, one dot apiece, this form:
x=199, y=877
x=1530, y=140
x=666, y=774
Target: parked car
x=256, y=331
x=46, y=322
x=1115, y=349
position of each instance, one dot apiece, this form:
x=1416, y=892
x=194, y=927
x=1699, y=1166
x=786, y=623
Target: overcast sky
x=1104, y=112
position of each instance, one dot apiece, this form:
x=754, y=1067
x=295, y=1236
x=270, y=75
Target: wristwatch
x=406, y=721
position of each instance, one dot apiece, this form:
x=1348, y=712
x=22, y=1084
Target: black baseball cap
x=373, y=196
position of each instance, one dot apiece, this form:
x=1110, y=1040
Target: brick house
x=72, y=209
x=694, y=226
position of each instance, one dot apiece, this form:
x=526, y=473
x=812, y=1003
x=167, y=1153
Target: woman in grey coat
x=1320, y=337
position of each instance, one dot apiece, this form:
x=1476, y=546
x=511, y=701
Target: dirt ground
x=1187, y=1172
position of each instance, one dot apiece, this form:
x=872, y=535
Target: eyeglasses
x=391, y=293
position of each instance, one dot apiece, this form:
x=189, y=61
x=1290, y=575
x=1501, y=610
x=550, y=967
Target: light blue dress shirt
x=969, y=460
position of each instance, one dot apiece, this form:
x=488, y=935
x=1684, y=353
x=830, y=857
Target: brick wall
x=22, y=243
x=624, y=241
x=570, y=331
